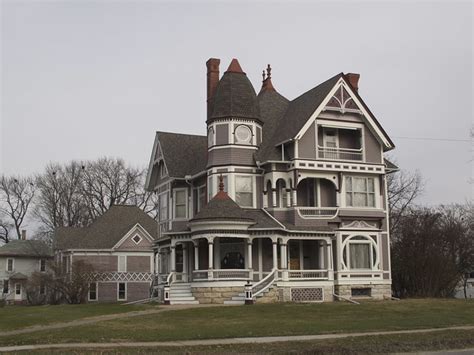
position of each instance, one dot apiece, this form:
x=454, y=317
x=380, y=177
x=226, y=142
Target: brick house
x=119, y=247
x=289, y=195
x=19, y=259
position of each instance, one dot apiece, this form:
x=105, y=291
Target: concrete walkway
x=90, y=320
x=255, y=340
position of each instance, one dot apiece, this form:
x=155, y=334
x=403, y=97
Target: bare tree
x=403, y=189
x=109, y=181
x=60, y=201
x=16, y=195
x=5, y=228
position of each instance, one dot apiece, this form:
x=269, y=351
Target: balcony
x=340, y=154
x=317, y=212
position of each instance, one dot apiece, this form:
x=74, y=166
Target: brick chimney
x=353, y=80
x=212, y=79
x=23, y=234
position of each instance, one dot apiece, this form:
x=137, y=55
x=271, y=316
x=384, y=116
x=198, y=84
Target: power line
x=434, y=139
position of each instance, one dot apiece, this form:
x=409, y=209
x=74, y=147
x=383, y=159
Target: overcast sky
x=85, y=79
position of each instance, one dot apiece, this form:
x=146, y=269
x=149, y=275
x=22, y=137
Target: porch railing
x=308, y=275
x=231, y=274
x=199, y=275
x=340, y=153
x=317, y=212
x=265, y=283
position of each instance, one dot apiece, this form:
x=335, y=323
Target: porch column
x=196, y=256
x=211, y=254
x=274, y=197
x=294, y=202
x=284, y=260
x=288, y=198
x=173, y=258
x=185, y=263
x=275, y=255
x=321, y=256
x=329, y=261
x=265, y=199
x=249, y=254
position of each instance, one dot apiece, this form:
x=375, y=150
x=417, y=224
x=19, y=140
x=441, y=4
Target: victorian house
x=285, y=196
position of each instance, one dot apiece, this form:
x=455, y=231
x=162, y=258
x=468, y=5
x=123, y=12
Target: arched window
x=360, y=253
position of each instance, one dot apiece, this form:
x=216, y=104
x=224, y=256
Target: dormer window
x=137, y=239
x=243, y=135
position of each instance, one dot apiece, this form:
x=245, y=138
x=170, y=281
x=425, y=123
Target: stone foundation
x=272, y=296
x=377, y=292
x=207, y=295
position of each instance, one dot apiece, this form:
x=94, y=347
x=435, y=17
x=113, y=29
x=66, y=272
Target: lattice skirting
x=121, y=276
x=311, y=294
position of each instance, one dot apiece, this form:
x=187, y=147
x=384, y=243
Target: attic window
x=137, y=239
x=243, y=134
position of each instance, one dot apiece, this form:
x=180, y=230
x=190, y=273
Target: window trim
x=118, y=291
x=186, y=203
x=124, y=257
x=6, y=290
x=367, y=240
x=247, y=142
x=253, y=188
x=211, y=140
x=42, y=289
x=41, y=264
x=163, y=197
x=13, y=265
x=376, y=194
x=139, y=239
x=96, y=292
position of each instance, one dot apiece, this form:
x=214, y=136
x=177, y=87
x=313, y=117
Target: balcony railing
x=317, y=212
x=340, y=153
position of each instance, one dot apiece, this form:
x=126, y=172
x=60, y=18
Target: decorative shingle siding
x=100, y=263
x=231, y=156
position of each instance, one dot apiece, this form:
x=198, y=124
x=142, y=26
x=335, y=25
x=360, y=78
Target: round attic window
x=243, y=134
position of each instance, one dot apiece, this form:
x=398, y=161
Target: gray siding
x=231, y=156
x=222, y=134
x=373, y=148
x=307, y=144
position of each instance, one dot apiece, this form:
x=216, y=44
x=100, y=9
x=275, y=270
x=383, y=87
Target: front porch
x=236, y=260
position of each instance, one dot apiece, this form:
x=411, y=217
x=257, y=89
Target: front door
x=18, y=292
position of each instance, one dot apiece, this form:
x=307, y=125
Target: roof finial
x=269, y=71
x=221, y=183
x=263, y=75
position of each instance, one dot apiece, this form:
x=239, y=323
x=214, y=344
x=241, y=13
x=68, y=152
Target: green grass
x=16, y=317
x=355, y=345
x=265, y=320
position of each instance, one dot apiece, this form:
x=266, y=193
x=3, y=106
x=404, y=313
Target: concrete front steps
x=180, y=293
x=240, y=298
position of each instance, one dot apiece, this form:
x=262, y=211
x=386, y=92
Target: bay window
x=360, y=191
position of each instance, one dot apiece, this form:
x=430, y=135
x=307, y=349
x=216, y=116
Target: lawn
x=16, y=317
x=265, y=320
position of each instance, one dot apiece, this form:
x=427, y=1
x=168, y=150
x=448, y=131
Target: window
x=122, y=291
x=210, y=137
x=163, y=206
x=10, y=264
x=18, y=289
x=180, y=203
x=42, y=265
x=199, y=198
x=122, y=263
x=162, y=170
x=244, y=191
x=330, y=137
x=209, y=189
x=359, y=252
x=5, y=286
x=42, y=289
x=360, y=191
x=137, y=239
x=93, y=291
x=64, y=264
x=243, y=135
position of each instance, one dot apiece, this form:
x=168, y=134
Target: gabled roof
x=107, y=230
x=184, y=154
x=25, y=248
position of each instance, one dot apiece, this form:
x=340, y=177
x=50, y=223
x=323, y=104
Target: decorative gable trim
x=137, y=228
x=154, y=162
x=331, y=96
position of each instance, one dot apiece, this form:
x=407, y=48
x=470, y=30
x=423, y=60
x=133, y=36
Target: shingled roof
x=234, y=96
x=106, y=230
x=297, y=113
x=177, y=152
x=26, y=248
